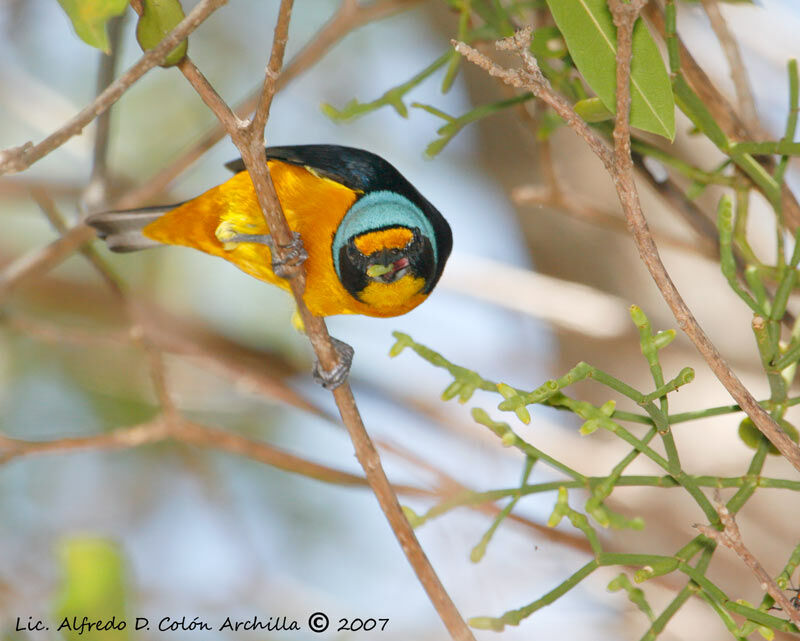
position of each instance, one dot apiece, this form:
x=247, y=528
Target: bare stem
x=744, y=94
x=96, y=191
x=619, y=165
x=19, y=158
x=249, y=139
x=35, y=263
x=724, y=114
x=731, y=537
x=349, y=17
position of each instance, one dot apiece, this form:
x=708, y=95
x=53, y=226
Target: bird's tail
x=122, y=230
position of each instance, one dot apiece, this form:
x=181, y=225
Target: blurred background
x=206, y=531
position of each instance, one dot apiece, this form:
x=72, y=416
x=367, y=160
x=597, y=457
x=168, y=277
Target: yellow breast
x=314, y=207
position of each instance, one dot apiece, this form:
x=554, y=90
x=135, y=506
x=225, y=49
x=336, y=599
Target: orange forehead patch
x=393, y=238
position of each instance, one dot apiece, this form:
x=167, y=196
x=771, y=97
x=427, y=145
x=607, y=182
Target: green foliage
x=590, y=35
x=764, y=288
x=157, y=20
x=606, y=416
x=89, y=18
x=93, y=584
x=754, y=439
x=635, y=595
x=392, y=98
x=593, y=110
x=455, y=125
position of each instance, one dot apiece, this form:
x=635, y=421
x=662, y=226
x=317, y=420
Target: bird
x=371, y=243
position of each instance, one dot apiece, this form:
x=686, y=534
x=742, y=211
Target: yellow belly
x=314, y=207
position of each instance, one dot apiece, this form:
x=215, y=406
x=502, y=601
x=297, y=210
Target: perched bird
x=375, y=246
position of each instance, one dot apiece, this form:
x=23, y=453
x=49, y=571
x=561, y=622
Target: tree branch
x=159, y=430
x=96, y=192
x=349, y=17
x=250, y=142
x=43, y=259
x=19, y=158
x=724, y=114
x=731, y=537
x=744, y=94
x=620, y=167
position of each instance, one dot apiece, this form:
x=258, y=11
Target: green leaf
x=158, y=19
x=588, y=29
x=89, y=18
x=752, y=436
x=93, y=585
x=592, y=110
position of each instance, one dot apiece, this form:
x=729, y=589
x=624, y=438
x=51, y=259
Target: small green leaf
x=664, y=338
x=752, y=436
x=411, y=516
x=592, y=110
x=589, y=427
x=636, y=595
x=486, y=623
x=89, y=18
x=588, y=29
x=93, y=583
x=158, y=19
x=658, y=568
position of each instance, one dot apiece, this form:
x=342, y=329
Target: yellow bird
x=375, y=246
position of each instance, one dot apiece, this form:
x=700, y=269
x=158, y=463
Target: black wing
x=357, y=169
x=361, y=171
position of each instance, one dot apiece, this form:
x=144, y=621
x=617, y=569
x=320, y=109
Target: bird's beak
x=378, y=270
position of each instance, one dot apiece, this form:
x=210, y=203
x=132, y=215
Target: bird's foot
x=281, y=267
x=338, y=375
x=295, y=255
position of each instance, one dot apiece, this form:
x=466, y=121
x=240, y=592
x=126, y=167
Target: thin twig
x=250, y=142
x=273, y=72
x=724, y=114
x=48, y=207
x=137, y=333
x=731, y=537
x=19, y=158
x=43, y=259
x=159, y=430
x=620, y=167
x=744, y=93
x=625, y=16
x=96, y=192
x=584, y=211
x=350, y=16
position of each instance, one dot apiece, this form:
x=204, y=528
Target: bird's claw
x=294, y=256
x=338, y=375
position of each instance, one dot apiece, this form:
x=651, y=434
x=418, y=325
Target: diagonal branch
x=249, y=139
x=270, y=86
x=731, y=537
x=350, y=16
x=744, y=94
x=620, y=167
x=724, y=114
x=183, y=431
x=19, y=158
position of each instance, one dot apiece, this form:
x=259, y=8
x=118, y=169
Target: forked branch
x=619, y=165
x=248, y=136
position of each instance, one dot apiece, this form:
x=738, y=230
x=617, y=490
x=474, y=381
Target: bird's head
x=385, y=250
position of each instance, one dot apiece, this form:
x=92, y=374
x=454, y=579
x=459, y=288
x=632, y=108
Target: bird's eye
x=352, y=251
